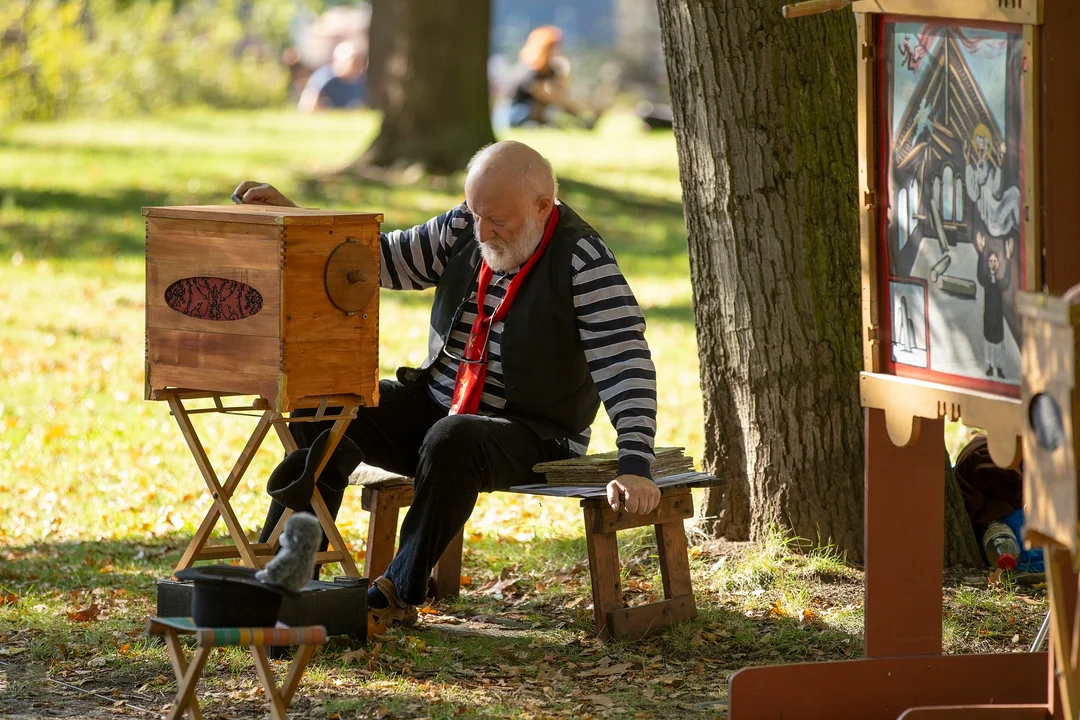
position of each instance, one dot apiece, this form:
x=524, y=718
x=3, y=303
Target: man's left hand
x=638, y=495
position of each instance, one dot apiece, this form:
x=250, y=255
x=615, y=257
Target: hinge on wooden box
x=873, y=333
x=869, y=52
x=869, y=198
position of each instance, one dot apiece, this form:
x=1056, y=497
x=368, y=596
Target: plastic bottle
x=1001, y=546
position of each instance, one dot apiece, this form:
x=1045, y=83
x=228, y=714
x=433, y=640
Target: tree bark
x=765, y=125
x=437, y=114
x=961, y=545
x=380, y=44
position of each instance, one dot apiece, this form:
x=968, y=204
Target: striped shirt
x=610, y=324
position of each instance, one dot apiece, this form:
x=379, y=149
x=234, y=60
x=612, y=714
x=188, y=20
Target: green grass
x=98, y=493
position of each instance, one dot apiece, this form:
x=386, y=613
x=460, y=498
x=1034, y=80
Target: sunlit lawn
x=98, y=493
x=89, y=458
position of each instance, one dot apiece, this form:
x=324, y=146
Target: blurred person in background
x=540, y=81
x=339, y=84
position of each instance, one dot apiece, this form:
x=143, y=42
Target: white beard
x=502, y=256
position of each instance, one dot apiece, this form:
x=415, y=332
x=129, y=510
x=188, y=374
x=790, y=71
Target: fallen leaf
x=466, y=580
x=601, y=700
x=12, y=650
x=85, y=614
x=605, y=671
x=7, y=598
x=354, y=655
x=96, y=662
x=382, y=712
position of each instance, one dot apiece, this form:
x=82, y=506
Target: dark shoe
x=396, y=613
x=1000, y=373
x=989, y=371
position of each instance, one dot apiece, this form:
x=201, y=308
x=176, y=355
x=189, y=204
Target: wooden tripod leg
x=187, y=677
x=269, y=683
x=1062, y=589
x=243, y=545
x=237, y=473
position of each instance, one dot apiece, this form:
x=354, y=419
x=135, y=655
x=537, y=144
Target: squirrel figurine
x=294, y=566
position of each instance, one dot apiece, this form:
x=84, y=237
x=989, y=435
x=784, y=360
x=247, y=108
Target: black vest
x=548, y=384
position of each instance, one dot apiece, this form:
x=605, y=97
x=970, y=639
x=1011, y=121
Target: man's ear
x=543, y=205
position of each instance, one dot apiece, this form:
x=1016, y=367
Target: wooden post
x=904, y=536
x=447, y=573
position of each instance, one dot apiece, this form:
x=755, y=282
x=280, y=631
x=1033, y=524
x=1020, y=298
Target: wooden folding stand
x=254, y=554
x=188, y=672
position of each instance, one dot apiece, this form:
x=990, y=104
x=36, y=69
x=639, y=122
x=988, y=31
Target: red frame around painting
x=882, y=109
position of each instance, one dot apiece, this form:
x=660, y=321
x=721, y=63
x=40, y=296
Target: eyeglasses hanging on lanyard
x=470, y=288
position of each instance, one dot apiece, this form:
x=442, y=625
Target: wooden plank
x=213, y=361
x=639, y=622
x=331, y=368
x=675, y=507
x=882, y=688
x=229, y=244
x=674, y=562
x=604, y=571
x=1032, y=218
x=261, y=214
x=447, y=572
x=903, y=399
x=180, y=669
x=265, y=323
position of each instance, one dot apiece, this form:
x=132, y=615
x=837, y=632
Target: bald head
x=510, y=189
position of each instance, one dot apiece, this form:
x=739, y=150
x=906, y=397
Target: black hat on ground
x=292, y=483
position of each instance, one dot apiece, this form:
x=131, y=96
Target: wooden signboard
x=949, y=159
x=277, y=302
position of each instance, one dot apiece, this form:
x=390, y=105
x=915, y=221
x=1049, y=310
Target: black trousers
x=452, y=459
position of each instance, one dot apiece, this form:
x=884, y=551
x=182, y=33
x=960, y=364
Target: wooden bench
x=384, y=494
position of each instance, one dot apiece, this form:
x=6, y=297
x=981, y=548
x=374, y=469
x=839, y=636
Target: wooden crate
x=271, y=301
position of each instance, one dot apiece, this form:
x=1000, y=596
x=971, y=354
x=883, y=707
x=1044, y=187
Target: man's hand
x=250, y=192
x=639, y=495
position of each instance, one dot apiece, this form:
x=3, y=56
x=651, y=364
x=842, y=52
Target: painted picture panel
x=950, y=113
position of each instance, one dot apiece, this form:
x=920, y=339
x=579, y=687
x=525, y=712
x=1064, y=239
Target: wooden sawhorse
x=256, y=639
x=251, y=554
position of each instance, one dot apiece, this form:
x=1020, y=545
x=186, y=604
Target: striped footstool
x=257, y=639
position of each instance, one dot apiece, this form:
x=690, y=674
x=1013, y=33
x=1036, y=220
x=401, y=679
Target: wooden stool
x=257, y=639
x=384, y=494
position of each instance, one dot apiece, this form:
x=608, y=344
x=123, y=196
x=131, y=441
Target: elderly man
x=532, y=327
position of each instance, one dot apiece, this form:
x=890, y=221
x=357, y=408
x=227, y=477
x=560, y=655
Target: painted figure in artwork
x=907, y=327
x=995, y=277
x=1000, y=211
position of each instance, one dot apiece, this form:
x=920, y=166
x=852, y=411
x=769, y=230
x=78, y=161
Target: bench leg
x=604, y=571
x=187, y=677
x=674, y=562
x=382, y=505
x=447, y=573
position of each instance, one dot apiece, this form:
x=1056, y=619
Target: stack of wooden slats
x=602, y=468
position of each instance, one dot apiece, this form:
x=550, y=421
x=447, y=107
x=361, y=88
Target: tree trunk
x=380, y=44
x=961, y=545
x=437, y=112
x=765, y=125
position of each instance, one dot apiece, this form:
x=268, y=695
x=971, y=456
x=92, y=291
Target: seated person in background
x=340, y=84
x=503, y=389
x=539, y=82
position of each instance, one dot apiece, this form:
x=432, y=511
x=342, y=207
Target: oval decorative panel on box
x=213, y=298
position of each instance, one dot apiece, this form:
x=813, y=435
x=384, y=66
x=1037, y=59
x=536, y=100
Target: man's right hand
x=253, y=193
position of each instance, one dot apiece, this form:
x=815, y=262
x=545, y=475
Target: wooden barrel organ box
x=277, y=302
